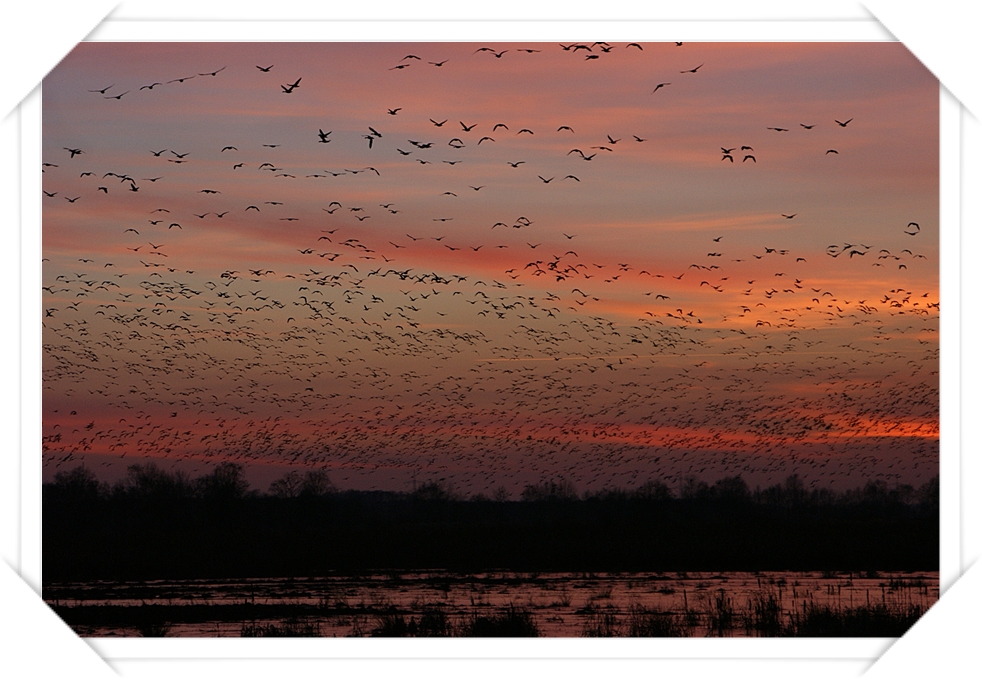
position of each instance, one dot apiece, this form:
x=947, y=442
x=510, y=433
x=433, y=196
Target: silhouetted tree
x=293, y=484
x=552, y=490
x=693, y=487
x=316, y=483
x=929, y=495
x=794, y=491
x=148, y=481
x=226, y=482
x=435, y=491
x=731, y=489
x=653, y=490
x=77, y=485
x=287, y=486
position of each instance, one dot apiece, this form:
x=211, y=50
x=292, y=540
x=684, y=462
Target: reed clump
x=764, y=615
x=293, y=627
x=511, y=622
x=434, y=623
x=874, y=620
x=602, y=624
x=652, y=622
x=720, y=613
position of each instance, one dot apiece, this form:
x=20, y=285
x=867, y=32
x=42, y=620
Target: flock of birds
x=385, y=345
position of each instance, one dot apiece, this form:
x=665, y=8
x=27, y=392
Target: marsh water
x=554, y=604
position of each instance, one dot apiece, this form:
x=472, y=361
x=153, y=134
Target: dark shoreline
x=178, y=529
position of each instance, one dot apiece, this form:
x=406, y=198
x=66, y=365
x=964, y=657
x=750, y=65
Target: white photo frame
x=135, y=651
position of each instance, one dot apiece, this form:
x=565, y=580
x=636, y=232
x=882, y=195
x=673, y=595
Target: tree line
x=159, y=524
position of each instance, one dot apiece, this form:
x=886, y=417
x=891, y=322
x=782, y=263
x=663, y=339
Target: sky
x=493, y=264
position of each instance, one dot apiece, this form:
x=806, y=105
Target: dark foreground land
x=157, y=525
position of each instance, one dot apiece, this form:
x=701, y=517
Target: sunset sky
x=476, y=302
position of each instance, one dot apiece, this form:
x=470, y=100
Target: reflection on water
x=504, y=603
